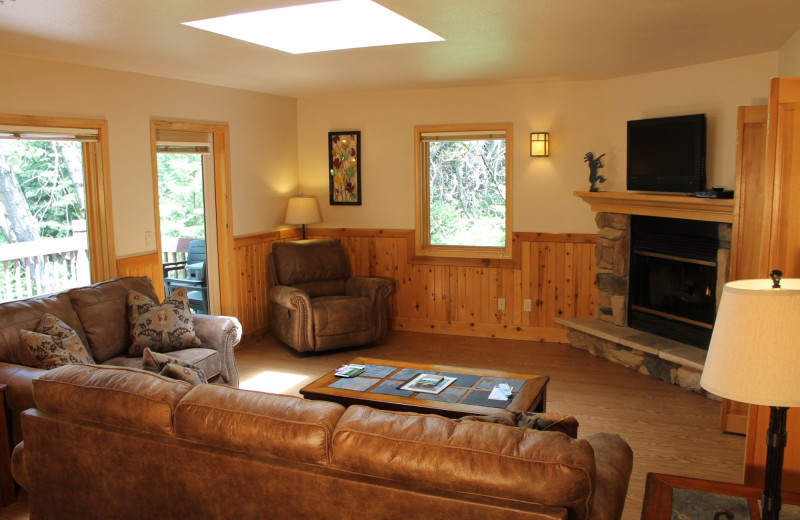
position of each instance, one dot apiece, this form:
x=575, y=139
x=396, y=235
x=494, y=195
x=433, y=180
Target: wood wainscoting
x=555, y=271
x=143, y=265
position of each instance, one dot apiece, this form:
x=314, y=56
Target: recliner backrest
x=319, y=267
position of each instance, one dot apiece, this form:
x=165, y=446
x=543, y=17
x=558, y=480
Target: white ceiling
x=487, y=41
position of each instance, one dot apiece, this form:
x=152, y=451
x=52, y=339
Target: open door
x=187, y=216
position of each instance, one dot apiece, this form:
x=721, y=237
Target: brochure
x=427, y=383
x=350, y=370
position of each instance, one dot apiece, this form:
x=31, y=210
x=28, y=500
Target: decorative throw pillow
x=54, y=344
x=551, y=422
x=171, y=367
x=161, y=328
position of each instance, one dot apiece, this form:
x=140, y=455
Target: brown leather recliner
x=314, y=302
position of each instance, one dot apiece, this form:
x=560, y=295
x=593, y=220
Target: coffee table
x=468, y=395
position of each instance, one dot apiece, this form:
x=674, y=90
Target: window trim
x=97, y=179
x=426, y=253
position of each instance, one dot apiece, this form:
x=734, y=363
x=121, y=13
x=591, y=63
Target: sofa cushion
x=279, y=426
x=26, y=314
x=473, y=457
x=206, y=359
x=123, y=397
x=52, y=345
x=169, y=366
x=102, y=309
x=341, y=315
x=310, y=261
x=161, y=328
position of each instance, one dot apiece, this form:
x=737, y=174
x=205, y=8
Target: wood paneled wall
x=555, y=271
x=145, y=265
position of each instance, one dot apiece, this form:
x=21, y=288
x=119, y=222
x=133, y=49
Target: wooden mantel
x=659, y=205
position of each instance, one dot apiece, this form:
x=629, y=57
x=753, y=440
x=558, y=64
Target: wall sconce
x=540, y=144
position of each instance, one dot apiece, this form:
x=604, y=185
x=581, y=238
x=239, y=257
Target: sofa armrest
x=290, y=315
x=19, y=378
x=220, y=333
x=18, y=467
x=613, y=461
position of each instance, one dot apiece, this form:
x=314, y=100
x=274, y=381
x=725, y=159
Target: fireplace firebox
x=673, y=278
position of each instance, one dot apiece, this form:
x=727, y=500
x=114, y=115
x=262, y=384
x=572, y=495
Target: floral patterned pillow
x=171, y=367
x=161, y=328
x=53, y=344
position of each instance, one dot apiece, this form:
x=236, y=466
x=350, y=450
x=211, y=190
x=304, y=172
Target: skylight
x=326, y=26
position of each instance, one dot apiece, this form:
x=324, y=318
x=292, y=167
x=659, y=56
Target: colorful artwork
x=344, y=163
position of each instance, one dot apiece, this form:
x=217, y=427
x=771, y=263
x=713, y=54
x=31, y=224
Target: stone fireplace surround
x=607, y=335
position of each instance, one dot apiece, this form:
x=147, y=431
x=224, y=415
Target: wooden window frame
x=97, y=180
x=425, y=252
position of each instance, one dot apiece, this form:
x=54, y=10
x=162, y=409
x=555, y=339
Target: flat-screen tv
x=667, y=154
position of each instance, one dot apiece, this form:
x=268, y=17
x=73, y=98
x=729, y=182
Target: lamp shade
x=754, y=355
x=302, y=210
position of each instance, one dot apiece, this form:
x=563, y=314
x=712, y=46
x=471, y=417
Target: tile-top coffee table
x=378, y=387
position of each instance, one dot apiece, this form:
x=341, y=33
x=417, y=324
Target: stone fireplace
x=613, y=334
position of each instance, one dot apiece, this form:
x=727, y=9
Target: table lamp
x=754, y=357
x=303, y=210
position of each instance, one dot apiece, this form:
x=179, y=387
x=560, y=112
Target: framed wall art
x=344, y=166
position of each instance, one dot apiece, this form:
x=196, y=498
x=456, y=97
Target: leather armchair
x=314, y=302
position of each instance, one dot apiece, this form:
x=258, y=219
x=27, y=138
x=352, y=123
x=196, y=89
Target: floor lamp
x=303, y=210
x=754, y=357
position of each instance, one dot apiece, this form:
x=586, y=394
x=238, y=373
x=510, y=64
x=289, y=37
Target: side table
x=692, y=498
x=7, y=487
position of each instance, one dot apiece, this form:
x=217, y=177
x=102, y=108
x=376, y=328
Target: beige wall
x=582, y=116
x=789, y=57
x=263, y=136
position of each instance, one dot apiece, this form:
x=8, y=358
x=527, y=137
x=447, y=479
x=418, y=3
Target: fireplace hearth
x=608, y=334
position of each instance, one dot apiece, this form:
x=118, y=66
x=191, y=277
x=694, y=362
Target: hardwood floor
x=670, y=430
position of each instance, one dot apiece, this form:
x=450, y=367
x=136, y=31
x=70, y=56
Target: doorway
x=185, y=178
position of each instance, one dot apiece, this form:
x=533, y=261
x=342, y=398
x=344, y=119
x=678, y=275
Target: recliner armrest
x=289, y=297
x=369, y=287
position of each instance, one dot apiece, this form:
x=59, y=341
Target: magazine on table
x=350, y=370
x=427, y=383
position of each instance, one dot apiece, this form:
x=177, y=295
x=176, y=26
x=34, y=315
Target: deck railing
x=56, y=264
x=43, y=266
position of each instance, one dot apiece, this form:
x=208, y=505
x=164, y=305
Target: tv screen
x=667, y=154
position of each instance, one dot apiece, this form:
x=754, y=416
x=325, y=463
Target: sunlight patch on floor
x=272, y=382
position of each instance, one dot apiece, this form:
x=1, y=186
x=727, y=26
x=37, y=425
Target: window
x=54, y=230
x=463, y=176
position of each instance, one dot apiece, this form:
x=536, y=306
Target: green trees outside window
x=467, y=192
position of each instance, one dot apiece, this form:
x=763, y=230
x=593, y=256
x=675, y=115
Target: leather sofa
x=316, y=305
x=107, y=442
x=98, y=314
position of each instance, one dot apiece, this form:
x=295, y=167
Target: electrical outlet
x=526, y=305
x=501, y=304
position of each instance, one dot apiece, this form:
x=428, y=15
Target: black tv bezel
x=692, y=181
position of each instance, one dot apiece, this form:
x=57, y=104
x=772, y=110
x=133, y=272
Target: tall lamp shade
x=754, y=357
x=303, y=210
